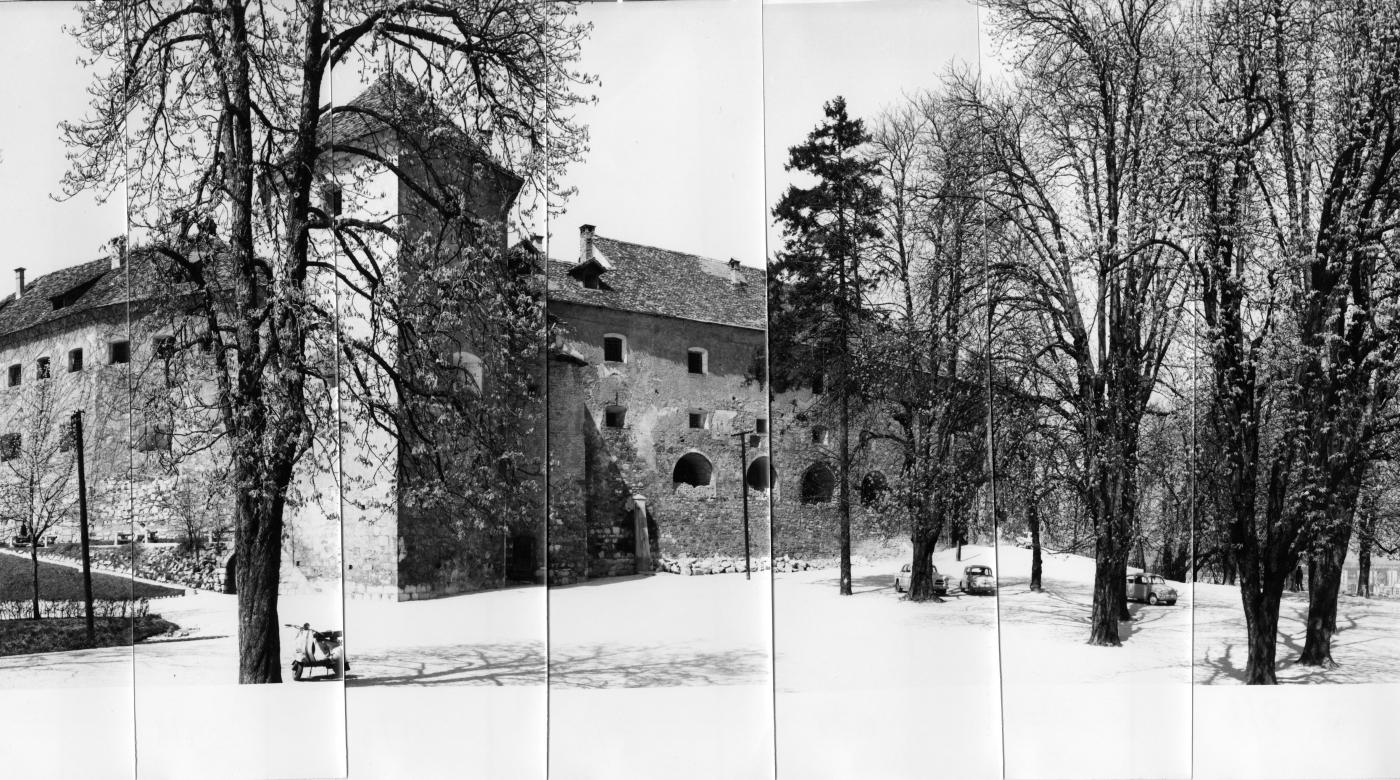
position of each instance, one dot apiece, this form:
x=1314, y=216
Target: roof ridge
x=676, y=252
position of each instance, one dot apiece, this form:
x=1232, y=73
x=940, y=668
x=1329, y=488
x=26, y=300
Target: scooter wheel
x=296, y=670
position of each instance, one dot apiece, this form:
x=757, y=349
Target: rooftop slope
x=649, y=280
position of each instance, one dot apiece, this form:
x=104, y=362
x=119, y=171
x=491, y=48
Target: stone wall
x=596, y=469
x=812, y=529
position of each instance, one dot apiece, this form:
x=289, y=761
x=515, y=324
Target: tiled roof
x=411, y=111
x=36, y=307
x=673, y=284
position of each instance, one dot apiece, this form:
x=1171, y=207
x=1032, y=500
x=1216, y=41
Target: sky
x=698, y=101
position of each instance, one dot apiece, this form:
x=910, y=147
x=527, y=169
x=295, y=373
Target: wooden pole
x=744, y=487
x=83, y=525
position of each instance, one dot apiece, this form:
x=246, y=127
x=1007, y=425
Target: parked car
x=978, y=579
x=906, y=576
x=1150, y=588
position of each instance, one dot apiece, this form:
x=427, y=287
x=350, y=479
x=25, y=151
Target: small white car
x=979, y=579
x=906, y=576
x=1150, y=589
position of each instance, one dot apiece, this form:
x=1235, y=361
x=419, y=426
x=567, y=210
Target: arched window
x=818, y=484
x=873, y=488
x=760, y=475
x=692, y=469
x=614, y=348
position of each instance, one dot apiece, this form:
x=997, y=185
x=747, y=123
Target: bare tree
x=212, y=116
x=1081, y=169
x=40, y=490
x=919, y=361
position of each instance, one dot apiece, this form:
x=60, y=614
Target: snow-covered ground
x=688, y=677
x=665, y=676
x=1077, y=710
x=1366, y=647
x=872, y=686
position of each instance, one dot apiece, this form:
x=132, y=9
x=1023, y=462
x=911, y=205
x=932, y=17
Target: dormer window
x=696, y=361
x=590, y=281
x=614, y=348
x=69, y=297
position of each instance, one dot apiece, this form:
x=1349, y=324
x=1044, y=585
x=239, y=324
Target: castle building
x=657, y=401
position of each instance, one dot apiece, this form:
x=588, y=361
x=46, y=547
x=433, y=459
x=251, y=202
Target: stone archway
x=231, y=574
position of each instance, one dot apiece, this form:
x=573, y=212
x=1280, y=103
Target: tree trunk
x=845, y=500
x=921, y=572
x=1363, y=568
x=34, y=560
x=1322, y=601
x=258, y=568
x=1033, y=521
x=1109, y=590
x=1261, y=607
x=1365, y=541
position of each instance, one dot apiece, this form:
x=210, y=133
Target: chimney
x=19, y=283
x=736, y=277
x=585, y=243
x=118, y=249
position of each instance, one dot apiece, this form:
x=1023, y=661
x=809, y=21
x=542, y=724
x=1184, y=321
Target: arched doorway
x=231, y=575
x=818, y=484
x=760, y=474
x=873, y=488
x=692, y=469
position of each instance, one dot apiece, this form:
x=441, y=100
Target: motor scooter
x=318, y=649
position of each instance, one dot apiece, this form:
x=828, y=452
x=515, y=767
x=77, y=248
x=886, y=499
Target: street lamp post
x=744, y=489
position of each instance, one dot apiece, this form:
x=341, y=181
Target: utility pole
x=744, y=487
x=83, y=524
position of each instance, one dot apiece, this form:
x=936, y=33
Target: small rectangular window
x=695, y=361
x=699, y=420
x=613, y=349
x=10, y=446
x=818, y=385
x=75, y=360
x=614, y=416
x=16, y=375
x=760, y=425
x=42, y=370
x=119, y=352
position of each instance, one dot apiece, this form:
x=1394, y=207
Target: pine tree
x=822, y=278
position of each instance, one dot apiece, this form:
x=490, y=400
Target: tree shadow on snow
x=654, y=666
x=496, y=664
x=867, y=584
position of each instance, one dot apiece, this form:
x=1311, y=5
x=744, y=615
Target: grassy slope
x=58, y=583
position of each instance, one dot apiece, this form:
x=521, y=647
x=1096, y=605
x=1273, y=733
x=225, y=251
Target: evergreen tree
x=822, y=278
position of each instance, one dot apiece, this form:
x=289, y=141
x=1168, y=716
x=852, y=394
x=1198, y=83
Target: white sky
x=698, y=102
